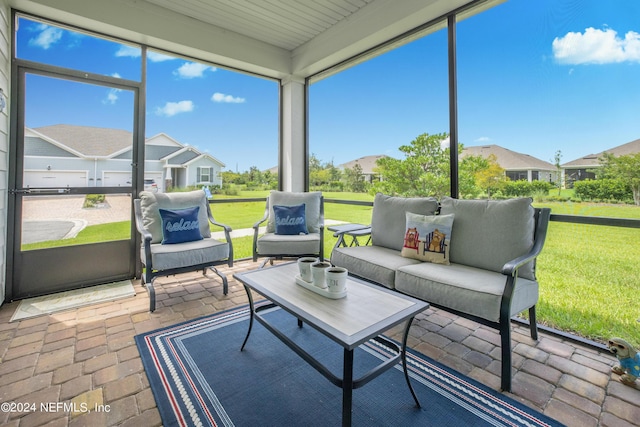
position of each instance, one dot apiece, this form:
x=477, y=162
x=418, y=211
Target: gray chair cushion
x=488, y=233
x=374, y=263
x=274, y=244
x=166, y=257
x=388, y=219
x=151, y=203
x=285, y=198
x=467, y=289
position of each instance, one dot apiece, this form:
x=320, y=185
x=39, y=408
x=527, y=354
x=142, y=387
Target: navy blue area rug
x=199, y=377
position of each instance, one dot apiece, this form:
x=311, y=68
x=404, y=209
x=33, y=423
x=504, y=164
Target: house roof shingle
x=508, y=159
x=90, y=141
x=367, y=163
x=592, y=160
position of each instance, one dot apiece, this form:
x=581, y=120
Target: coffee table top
x=366, y=311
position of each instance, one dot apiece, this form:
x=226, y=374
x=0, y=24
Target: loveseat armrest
x=542, y=216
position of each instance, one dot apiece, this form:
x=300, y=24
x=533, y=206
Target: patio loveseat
x=483, y=270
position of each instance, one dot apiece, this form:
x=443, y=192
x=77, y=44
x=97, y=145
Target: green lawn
x=589, y=281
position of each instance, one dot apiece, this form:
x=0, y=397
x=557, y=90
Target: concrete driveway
x=63, y=217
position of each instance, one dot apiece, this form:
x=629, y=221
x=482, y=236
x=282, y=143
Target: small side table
x=352, y=230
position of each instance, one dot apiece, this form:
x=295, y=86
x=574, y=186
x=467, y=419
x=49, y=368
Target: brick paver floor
x=86, y=357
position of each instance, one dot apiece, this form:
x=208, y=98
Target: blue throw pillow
x=290, y=220
x=180, y=225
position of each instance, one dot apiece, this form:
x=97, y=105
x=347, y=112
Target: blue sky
x=533, y=76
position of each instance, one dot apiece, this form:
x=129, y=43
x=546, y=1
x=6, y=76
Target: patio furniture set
x=474, y=258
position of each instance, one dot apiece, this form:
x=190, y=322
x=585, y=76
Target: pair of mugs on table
x=322, y=274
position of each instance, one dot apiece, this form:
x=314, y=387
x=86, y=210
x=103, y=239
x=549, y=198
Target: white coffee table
x=366, y=312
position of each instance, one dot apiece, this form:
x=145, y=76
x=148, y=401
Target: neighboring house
x=59, y=156
x=517, y=166
x=579, y=169
x=368, y=165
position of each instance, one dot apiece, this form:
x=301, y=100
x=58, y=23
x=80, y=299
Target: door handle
x=39, y=190
x=48, y=190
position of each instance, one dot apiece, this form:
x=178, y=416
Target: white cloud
x=483, y=139
x=159, y=57
x=135, y=52
x=112, y=96
x=131, y=51
x=47, y=37
x=173, y=108
x=597, y=47
x=221, y=97
x=190, y=70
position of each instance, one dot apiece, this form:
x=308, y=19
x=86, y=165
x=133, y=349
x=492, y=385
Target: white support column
x=293, y=152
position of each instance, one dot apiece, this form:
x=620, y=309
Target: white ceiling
x=283, y=23
x=275, y=38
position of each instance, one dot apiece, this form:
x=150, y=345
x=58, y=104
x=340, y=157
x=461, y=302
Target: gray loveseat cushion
x=388, y=220
x=466, y=289
x=488, y=233
x=151, y=203
x=374, y=263
x=285, y=198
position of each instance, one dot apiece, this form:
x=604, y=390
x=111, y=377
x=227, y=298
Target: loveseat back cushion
x=388, y=219
x=311, y=200
x=151, y=203
x=488, y=233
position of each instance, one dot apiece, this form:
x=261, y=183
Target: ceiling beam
x=369, y=27
x=146, y=23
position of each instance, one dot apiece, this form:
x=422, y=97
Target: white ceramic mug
x=304, y=266
x=317, y=272
x=336, y=278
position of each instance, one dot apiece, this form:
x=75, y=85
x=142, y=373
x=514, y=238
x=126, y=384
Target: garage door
x=116, y=179
x=55, y=179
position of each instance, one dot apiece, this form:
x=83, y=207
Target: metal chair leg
x=152, y=295
x=533, y=325
x=225, y=283
x=505, y=338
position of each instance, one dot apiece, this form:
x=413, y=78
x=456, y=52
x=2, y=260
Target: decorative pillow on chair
x=180, y=225
x=290, y=220
x=428, y=237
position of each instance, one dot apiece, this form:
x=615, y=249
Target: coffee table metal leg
x=251, y=314
x=347, y=387
x=404, y=361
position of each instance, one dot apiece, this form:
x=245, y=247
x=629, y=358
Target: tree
x=491, y=177
x=318, y=175
x=469, y=166
x=625, y=168
x=355, y=179
x=423, y=172
x=556, y=162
